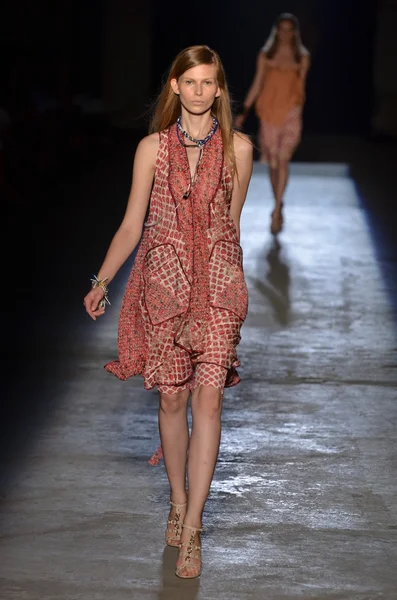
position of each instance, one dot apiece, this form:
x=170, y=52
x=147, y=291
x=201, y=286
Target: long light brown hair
x=296, y=42
x=168, y=105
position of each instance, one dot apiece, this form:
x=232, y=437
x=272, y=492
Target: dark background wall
x=339, y=33
x=384, y=117
x=110, y=57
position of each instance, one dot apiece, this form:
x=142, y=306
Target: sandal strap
x=178, y=505
x=179, y=569
x=195, y=529
x=189, y=552
x=174, y=522
x=197, y=556
x=174, y=526
x=188, y=545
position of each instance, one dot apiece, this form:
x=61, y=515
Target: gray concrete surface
x=303, y=503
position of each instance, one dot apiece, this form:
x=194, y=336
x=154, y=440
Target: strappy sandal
x=174, y=526
x=277, y=222
x=189, y=551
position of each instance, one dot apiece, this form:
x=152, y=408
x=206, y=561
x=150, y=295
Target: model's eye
x=208, y=82
x=188, y=81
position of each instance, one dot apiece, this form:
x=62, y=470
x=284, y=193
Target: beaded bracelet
x=101, y=283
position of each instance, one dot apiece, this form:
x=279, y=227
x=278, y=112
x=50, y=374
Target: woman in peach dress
x=278, y=92
x=186, y=298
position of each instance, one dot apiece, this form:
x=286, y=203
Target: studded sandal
x=189, y=551
x=277, y=221
x=174, y=526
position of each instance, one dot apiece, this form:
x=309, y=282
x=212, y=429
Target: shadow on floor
x=274, y=279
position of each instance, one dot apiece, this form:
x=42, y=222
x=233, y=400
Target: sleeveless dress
x=279, y=109
x=186, y=297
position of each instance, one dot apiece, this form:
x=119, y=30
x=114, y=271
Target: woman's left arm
x=243, y=150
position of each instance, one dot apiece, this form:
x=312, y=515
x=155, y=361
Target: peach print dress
x=279, y=109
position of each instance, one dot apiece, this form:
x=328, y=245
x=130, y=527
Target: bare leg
x=262, y=147
x=174, y=434
x=282, y=180
x=203, y=454
x=274, y=181
x=279, y=177
x=288, y=142
x=204, y=448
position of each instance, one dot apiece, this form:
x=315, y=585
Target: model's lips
x=197, y=102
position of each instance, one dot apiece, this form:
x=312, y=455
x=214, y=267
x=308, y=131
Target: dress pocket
x=166, y=288
x=228, y=289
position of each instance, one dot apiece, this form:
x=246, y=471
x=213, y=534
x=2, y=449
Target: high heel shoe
x=277, y=222
x=174, y=526
x=188, y=550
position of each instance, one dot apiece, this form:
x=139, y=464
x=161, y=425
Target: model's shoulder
x=148, y=147
x=150, y=142
x=243, y=146
x=146, y=150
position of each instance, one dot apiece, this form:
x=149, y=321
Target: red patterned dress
x=186, y=297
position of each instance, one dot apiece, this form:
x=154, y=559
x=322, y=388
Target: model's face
x=286, y=31
x=197, y=88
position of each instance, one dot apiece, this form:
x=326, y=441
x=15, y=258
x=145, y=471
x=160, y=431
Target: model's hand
x=91, y=302
x=239, y=121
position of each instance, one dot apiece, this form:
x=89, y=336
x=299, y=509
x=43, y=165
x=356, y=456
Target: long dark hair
x=296, y=41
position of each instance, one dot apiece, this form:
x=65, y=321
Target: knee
x=172, y=403
x=274, y=161
x=283, y=163
x=207, y=402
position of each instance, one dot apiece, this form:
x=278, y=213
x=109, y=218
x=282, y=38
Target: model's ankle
x=178, y=497
x=193, y=520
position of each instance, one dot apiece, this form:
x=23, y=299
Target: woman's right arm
x=257, y=83
x=129, y=233
x=256, y=87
